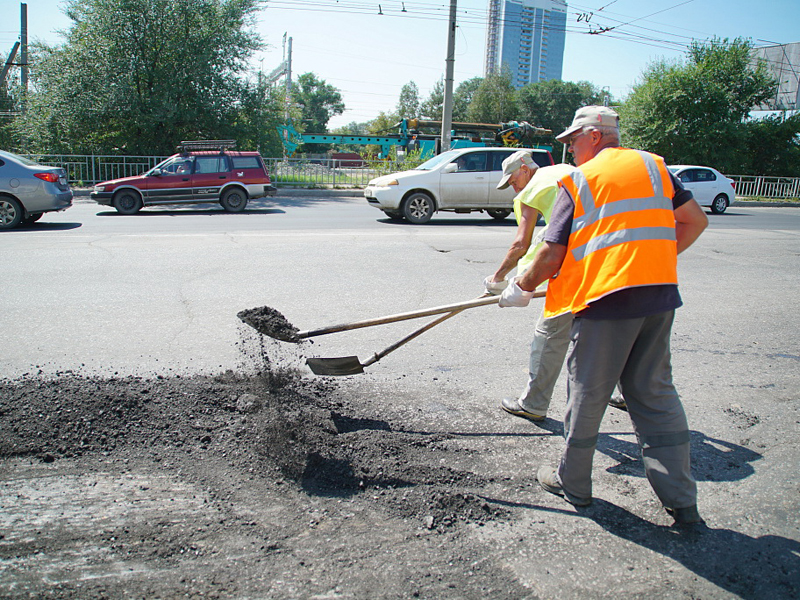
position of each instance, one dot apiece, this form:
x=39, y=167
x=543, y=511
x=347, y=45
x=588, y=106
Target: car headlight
x=99, y=188
x=392, y=182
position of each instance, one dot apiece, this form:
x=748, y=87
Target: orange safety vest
x=623, y=230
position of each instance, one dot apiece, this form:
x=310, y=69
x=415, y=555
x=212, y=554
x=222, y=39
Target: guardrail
x=759, y=186
x=327, y=173
x=87, y=170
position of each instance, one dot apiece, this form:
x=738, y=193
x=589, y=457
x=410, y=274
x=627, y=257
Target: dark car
x=28, y=190
x=208, y=171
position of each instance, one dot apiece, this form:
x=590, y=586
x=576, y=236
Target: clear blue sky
x=370, y=56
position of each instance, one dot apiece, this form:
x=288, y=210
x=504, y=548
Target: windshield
x=25, y=161
x=434, y=162
x=172, y=165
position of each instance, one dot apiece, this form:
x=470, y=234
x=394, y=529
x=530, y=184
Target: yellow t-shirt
x=540, y=193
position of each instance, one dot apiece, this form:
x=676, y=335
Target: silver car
x=28, y=190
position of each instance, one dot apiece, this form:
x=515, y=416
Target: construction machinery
x=412, y=136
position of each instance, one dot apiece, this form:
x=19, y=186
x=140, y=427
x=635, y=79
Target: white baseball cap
x=514, y=162
x=590, y=115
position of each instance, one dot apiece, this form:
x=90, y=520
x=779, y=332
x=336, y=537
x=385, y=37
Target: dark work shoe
x=547, y=478
x=685, y=516
x=618, y=402
x=511, y=405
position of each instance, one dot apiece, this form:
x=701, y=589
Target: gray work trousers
x=636, y=353
x=548, y=349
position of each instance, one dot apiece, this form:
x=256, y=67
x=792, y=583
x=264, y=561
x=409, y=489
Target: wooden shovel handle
x=415, y=314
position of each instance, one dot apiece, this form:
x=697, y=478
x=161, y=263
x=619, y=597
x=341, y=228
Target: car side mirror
x=155, y=173
x=450, y=168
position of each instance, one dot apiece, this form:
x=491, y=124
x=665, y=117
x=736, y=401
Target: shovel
x=350, y=365
x=270, y=322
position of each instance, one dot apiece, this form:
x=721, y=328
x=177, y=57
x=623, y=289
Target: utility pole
x=288, y=79
x=9, y=64
x=447, y=108
x=23, y=57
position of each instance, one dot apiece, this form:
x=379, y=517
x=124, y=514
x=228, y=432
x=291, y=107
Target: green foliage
x=552, y=104
x=462, y=98
x=352, y=128
x=695, y=112
x=431, y=108
x=773, y=147
x=494, y=100
x=138, y=76
x=318, y=102
x=408, y=104
x=8, y=104
x=382, y=124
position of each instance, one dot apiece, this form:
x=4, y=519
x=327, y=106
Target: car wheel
x=127, y=202
x=720, y=204
x=30, y=219
x=393, y=215
x=234, y=200
x=499, y=214
x=418, y=208
x=10, y=213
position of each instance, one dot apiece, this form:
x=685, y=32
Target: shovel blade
x=345, y=365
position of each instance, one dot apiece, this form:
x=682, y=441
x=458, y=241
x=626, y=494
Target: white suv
x=461, y=181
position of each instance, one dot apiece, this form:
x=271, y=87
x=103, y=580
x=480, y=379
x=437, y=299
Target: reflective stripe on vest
x=642, y=228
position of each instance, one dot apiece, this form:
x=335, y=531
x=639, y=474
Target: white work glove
x=495, y=288
x=515, y=295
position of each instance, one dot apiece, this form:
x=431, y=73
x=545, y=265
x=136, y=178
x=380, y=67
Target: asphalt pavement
x=157, y=293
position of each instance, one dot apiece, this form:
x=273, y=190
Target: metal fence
x=87, y=170
x=758, y=186
x=327, y=173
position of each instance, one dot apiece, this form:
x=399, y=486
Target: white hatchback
x=708, y=186
x=461, y=181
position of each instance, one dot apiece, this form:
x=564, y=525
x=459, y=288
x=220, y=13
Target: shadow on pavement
x=152, y=211
x=750, y=567
x=40, y=227
x=712, y=459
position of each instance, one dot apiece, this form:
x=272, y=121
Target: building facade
x=527, y=37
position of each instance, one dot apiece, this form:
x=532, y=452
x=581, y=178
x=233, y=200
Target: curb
x=775, y=204
x=346, y=193
x=359, y=193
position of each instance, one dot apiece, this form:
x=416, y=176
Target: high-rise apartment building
x=527, y=36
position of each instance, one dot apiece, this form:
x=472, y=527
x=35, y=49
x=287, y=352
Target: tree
x=694, y=112
x=408, y=104
x=773, y=147
x=137, y=76
x=495, y=100
x=352, y=128
x=7, y=105
x=319, y=102
x=381, y=125
x=431, y=108
x=256, y=120
x=462, y=97
x=552, y=104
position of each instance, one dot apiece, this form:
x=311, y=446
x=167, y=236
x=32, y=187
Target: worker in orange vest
x=610, y=252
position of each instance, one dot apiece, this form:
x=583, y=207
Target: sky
x=369, y=56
